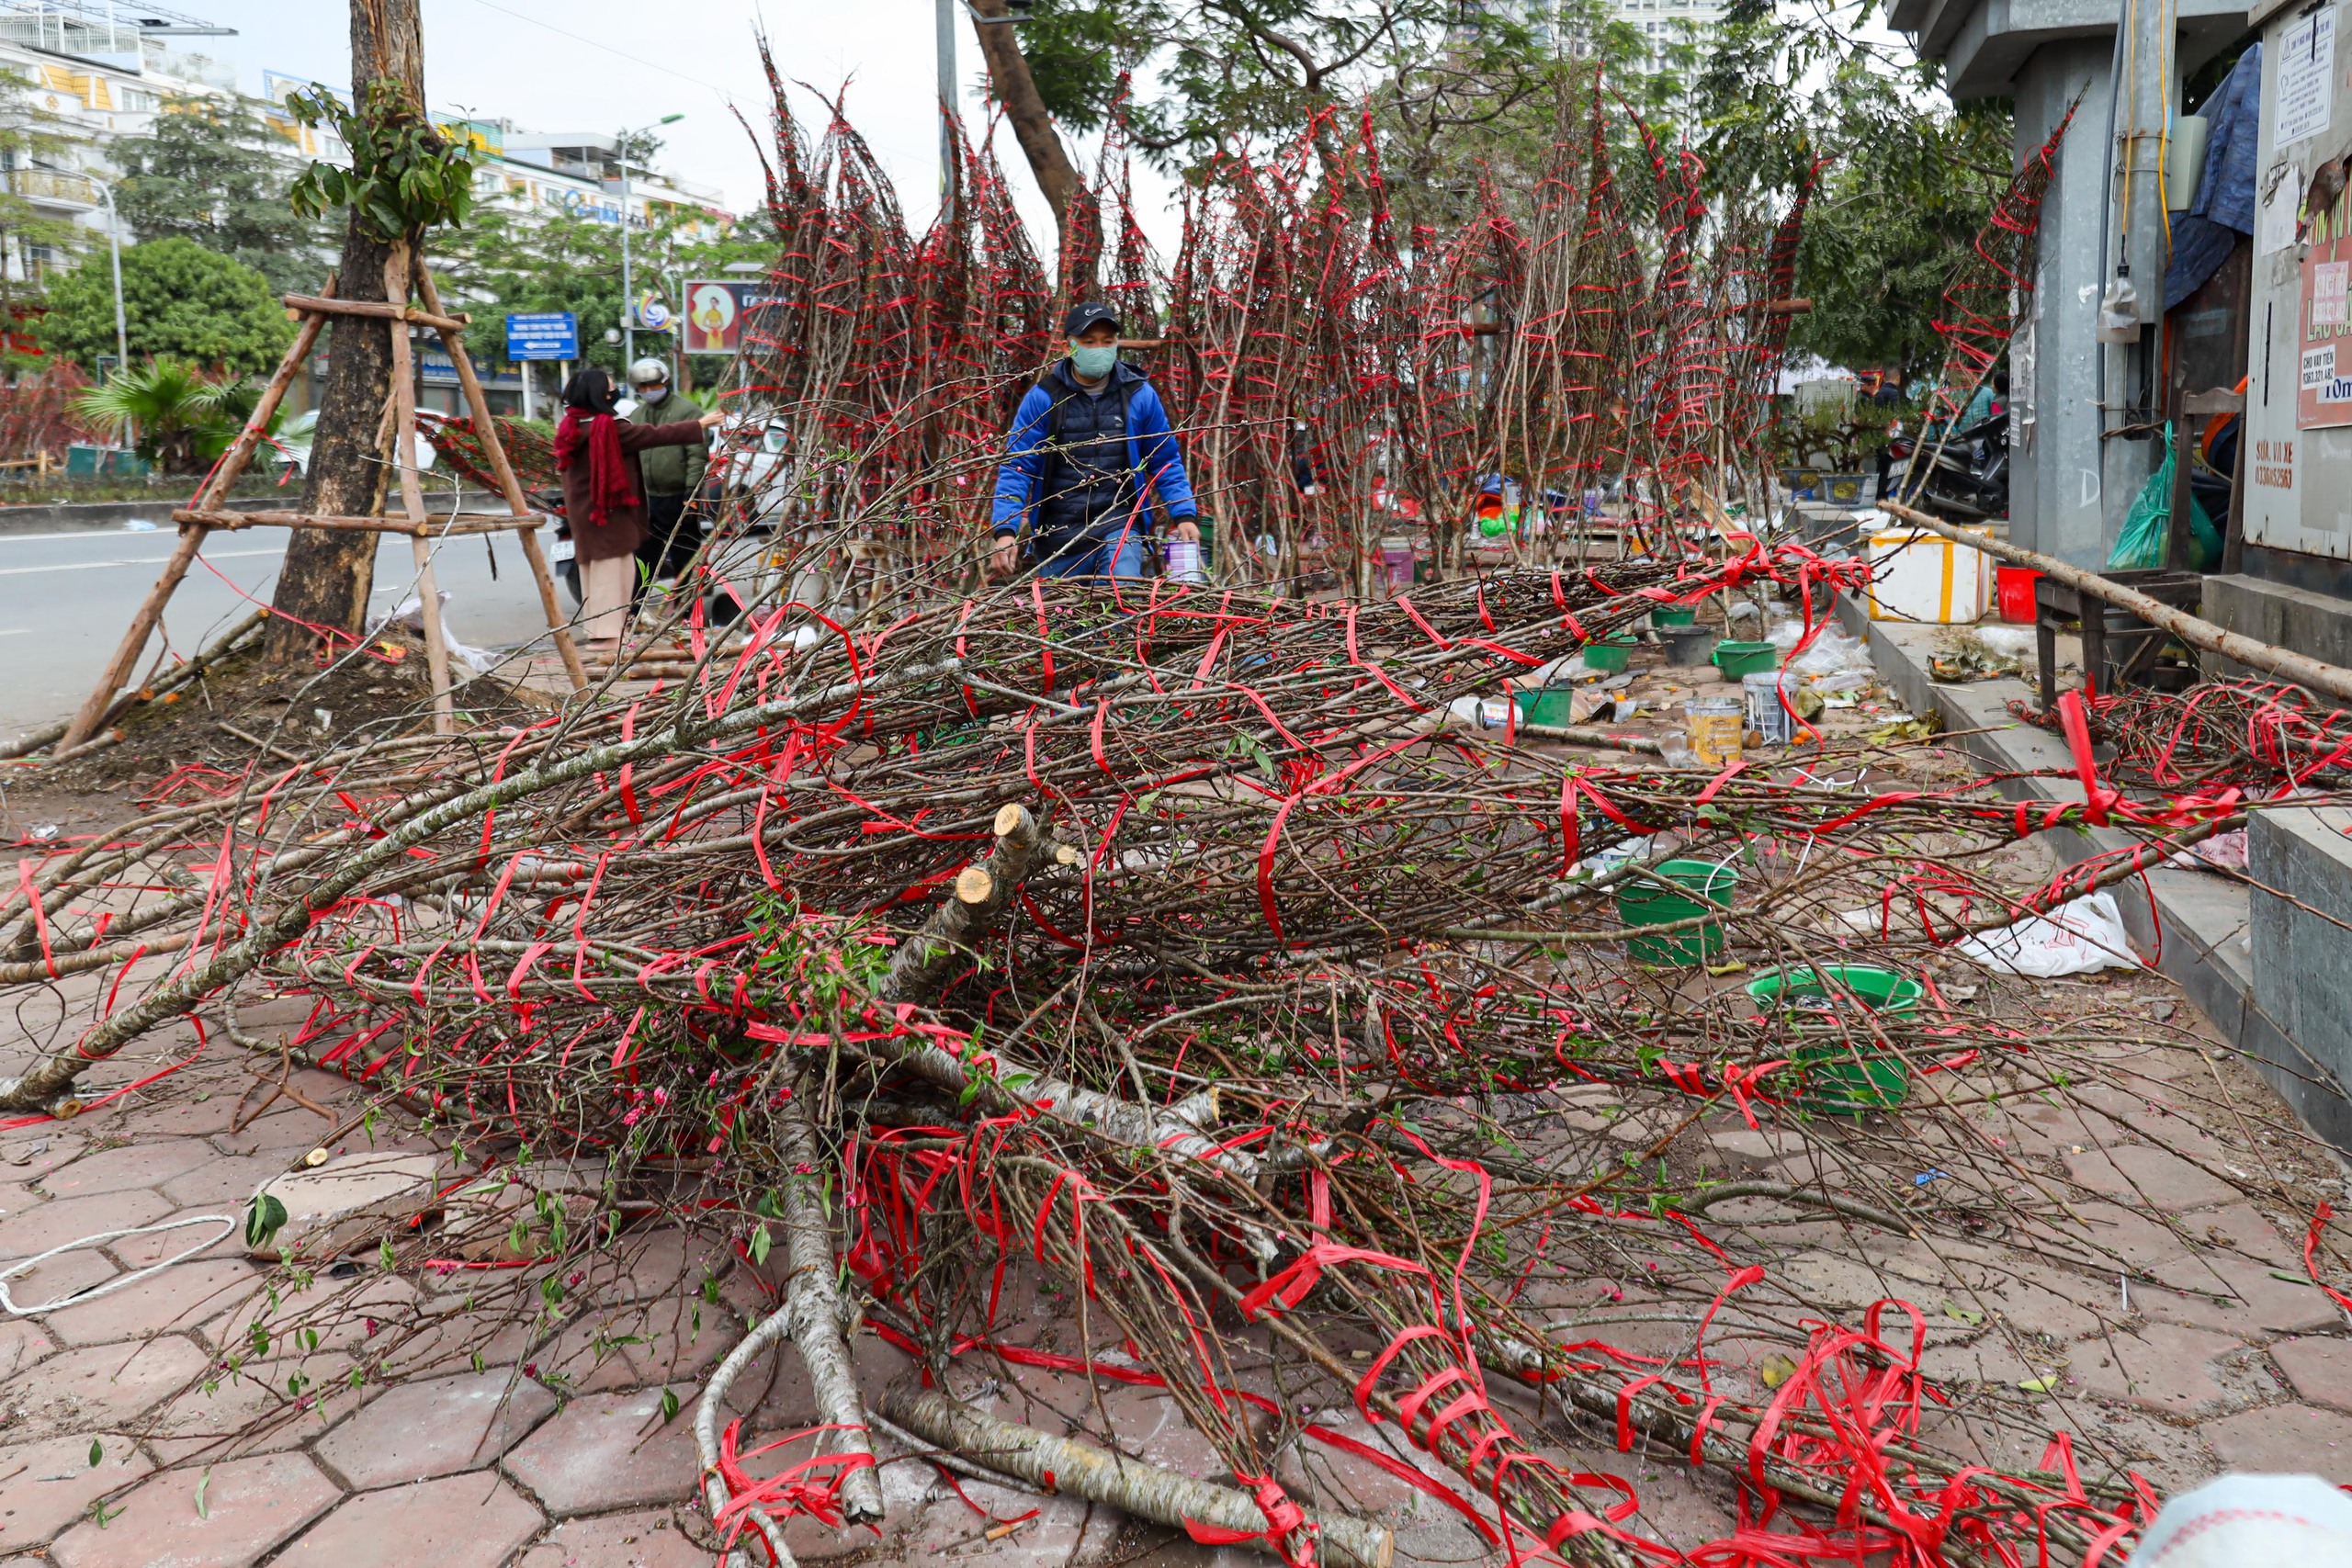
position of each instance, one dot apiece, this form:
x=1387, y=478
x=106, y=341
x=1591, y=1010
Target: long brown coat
x=624, y=528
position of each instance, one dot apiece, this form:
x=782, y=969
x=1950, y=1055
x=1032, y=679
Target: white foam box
x=1920, y=575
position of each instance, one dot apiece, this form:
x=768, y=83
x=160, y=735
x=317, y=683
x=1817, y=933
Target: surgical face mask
x=1093, y=363
x=650, y=395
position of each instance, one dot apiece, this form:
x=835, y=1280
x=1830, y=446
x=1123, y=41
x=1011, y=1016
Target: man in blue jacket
x=1089, y=447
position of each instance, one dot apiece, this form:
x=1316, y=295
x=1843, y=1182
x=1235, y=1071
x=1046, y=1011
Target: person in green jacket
x=673, y=475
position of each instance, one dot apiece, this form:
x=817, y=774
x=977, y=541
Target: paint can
x=1716, y=727
x=1185, y=561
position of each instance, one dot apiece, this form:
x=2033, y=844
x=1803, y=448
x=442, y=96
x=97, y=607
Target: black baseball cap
x=1091, y=313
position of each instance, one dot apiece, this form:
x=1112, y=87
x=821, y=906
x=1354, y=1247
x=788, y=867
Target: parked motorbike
x=1966, y=481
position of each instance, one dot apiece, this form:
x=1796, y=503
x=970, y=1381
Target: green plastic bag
x=2148, y=525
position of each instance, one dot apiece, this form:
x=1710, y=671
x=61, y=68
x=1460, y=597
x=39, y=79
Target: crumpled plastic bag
x=2226, y=851
x=1834, y=653
x=2079, y=937
x=410, y=612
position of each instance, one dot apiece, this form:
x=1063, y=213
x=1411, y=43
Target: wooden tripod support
x=205, y=512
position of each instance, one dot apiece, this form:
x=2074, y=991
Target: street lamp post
x=121, y=324
x=628, y=292
x=114, y=246
x=946, y=24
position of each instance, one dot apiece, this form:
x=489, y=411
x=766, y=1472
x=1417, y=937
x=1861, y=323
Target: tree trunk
x=1010, y=82
x=327, y=576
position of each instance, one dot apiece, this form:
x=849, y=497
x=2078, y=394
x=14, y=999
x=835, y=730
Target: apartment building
x=1665, y=23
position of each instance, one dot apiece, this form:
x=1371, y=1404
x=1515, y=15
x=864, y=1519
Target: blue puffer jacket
x=1152, y=453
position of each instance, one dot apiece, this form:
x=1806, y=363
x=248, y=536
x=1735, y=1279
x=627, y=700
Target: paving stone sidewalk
x=498, y=1449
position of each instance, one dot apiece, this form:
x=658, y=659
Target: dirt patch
x=245, y=710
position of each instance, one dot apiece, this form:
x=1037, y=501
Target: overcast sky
x=578, y=64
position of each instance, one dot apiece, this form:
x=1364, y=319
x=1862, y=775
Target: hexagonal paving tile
x=46, y=1486
x=148, y=1163
x=99, y=1388
x=420, y=1430
x=21, y=1344
x=223, y=1179
x=253, y=1412
x=609, y=1451
x=2147, y=1172
x=2289, y=1438
x=2320, y=1367
x=61, y=1219
x=250, y=1506
x=647, y=1538
x=459, y=1521
x=180, y=1299
x=2168, y=1369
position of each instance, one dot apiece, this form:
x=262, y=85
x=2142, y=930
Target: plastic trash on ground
x=410, y=612
x=2224, y=850
x=2010, y=642
x=2078, y=937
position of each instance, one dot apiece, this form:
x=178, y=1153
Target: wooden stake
x=224, y=474
x=437, y=646
x=559, y=624
x=126, y=654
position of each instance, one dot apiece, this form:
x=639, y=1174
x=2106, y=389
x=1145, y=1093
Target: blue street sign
x=548, y=334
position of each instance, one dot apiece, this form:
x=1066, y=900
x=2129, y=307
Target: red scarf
x=608, y=480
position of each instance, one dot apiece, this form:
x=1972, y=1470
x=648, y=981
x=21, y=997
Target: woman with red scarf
x=604, y=495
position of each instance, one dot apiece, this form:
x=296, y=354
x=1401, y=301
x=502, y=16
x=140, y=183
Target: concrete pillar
x=2057, y=484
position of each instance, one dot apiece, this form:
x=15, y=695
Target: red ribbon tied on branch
x=1284, y=1520
x=798, y=1489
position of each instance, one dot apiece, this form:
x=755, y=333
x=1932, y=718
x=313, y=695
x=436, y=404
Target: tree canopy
x=1905, y=177
x=206, y=172
x=180, y=301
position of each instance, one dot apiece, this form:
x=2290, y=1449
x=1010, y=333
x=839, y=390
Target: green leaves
x=760, y=1243
x=264, y=1217
x=405, y=176
x=669, y=1406
x=97, y=1452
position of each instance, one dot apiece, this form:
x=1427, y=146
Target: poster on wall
x=2306, y=76
x=2324, y=352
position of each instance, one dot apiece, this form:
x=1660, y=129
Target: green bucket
x=1546, y=705
x=1644, y=903
x=1687, y=616
x=1842, y=1075
x=1737, y=658
x=1611, y=655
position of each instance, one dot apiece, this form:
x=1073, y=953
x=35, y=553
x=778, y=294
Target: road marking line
x=142, y=560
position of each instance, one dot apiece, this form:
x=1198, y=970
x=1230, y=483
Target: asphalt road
x=65, y=599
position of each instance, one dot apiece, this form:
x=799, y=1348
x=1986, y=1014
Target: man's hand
x=1188, y=529
x=1005, y=554
x=713, y=417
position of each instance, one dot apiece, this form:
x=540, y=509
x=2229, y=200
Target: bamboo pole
x=464, y=523
x=436, y=644
x=2333, y=680
x=216, y=485
x=135, y=640
x=387, y=311
x=559, y=624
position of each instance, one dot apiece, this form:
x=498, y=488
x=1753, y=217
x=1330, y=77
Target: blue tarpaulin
x=2223, y=209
